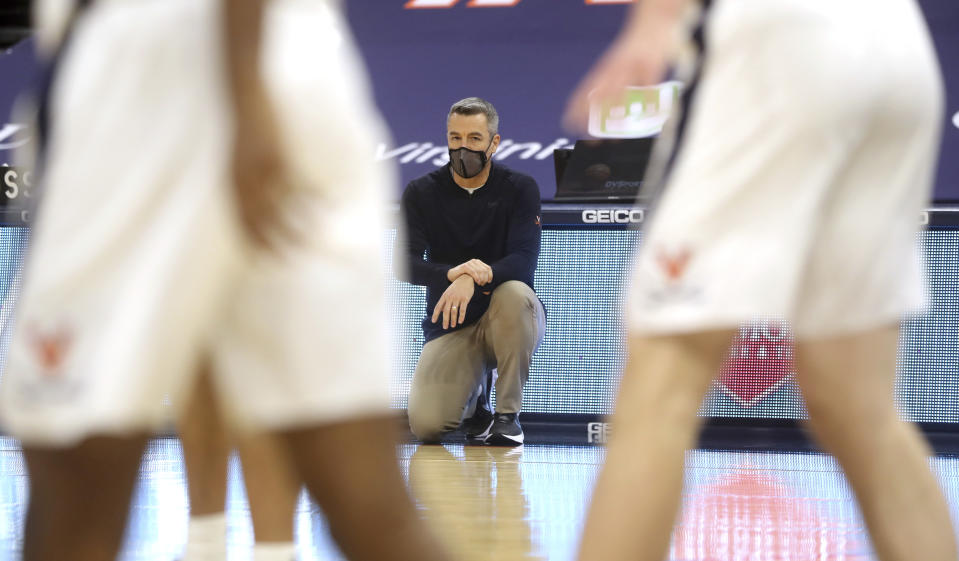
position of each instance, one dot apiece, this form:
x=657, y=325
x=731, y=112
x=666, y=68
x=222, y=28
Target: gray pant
x=452, y=368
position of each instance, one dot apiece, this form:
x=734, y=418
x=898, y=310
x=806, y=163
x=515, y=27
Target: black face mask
x=468, y=163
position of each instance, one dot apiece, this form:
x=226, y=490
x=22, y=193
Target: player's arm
x=650, y=14
x=639, y=56
x=259, y=176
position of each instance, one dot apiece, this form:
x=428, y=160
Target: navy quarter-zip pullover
x=499, y=224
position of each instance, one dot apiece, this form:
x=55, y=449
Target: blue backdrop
x=525, y=58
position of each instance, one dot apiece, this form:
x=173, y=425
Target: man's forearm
x=425, y=273
x=512, y=267
x=649, y=13
x=242, y=21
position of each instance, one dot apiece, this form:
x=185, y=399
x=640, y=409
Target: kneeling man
x=473, y=241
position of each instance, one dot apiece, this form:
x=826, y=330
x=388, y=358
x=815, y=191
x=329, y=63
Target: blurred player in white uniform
x=271, y=482
x=804, y=163
x=209, y=191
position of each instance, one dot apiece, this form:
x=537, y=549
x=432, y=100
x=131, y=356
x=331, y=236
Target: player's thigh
x=848, y=381
x=668, y=375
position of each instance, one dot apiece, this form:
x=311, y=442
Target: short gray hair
x=475, y=106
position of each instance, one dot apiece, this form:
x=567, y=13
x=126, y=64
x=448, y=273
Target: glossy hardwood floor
x=503, y=504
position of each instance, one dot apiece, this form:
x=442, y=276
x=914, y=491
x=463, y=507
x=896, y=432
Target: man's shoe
x=506, y=430
x=478, y=426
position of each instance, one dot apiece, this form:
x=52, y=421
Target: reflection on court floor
x=499, y=503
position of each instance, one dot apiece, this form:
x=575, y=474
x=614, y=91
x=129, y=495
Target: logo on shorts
x=50, y=347
x=668, y=283
x=673, y=263
x=48, y=379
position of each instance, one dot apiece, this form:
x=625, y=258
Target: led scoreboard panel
x=585, y=256
x=582, y=268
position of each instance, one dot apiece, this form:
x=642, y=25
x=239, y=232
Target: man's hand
x=262, y=188
x=262, y=185
x=481, y=273
x=638, y=57
x=453, y=302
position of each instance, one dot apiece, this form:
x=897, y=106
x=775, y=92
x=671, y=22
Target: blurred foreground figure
x=272, y=484
x=805, y=155
x=209, y=194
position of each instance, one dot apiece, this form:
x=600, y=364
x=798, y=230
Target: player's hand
x=638, y=57
x=453, y=302
x=481, y=273
x=262, y=186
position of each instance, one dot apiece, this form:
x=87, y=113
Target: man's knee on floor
x=428, y=423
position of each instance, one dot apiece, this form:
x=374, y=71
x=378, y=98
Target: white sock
x=206, y=538
x=274, y=551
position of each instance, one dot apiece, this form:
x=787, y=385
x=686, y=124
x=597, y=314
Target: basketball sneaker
x=506, y=430
x=478, y=426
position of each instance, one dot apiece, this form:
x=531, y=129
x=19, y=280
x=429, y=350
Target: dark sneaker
x=506, y=430
x=478, y=426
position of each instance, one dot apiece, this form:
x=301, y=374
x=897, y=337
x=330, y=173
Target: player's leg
x=272, y=488
x=637, y=495
x=308, y=349
x=206, y=451
x=351, y=469
x=80, y=498
x=319, y=377
x=119, y=341
x=848, y=384
x=863, y=275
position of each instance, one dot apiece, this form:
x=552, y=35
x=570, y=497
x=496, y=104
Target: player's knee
x=822, y=419
x=836, y=416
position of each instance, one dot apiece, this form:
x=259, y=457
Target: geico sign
x=613, y=216
x=414, y=4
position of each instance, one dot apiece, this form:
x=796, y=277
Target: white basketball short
x=801, y=176
x=138, y=267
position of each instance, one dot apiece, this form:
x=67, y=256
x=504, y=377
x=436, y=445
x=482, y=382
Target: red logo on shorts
x=50, y=348
x=673, y=263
